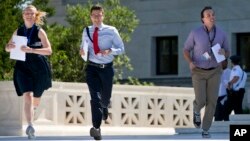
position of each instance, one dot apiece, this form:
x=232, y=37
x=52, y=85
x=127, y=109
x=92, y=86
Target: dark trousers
x=235, y=100
x=100, y=82
x=221, y=107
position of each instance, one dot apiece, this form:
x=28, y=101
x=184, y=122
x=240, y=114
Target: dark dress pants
x=221, y=107
x=100, y=82
x=235, y=100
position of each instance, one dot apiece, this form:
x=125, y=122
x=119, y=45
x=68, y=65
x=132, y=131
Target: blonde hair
x=40, y=15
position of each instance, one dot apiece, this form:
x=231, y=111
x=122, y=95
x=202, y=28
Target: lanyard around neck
x=211, y=40
x=26, y=33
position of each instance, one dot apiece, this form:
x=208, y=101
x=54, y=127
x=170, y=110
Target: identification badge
x=206, y=56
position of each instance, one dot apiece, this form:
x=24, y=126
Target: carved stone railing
x=69, y=104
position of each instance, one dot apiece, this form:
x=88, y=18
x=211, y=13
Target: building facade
x=156, y=45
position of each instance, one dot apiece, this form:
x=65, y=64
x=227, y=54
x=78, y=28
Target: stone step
x=75, y=130
x=240, y=117
x=217, y=127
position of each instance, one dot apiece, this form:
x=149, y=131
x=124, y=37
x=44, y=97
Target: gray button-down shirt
x=108, y=38
x=198, y=42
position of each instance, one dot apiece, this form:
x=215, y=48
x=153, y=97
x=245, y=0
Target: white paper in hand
x=85, y=49
x=219, y=57
x=16, y=53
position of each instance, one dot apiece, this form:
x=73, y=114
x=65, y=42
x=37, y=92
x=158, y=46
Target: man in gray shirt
x=204, y=68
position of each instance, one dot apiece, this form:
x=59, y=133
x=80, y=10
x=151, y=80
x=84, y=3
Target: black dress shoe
x=95, y=133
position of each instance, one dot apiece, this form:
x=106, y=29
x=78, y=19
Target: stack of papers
x=16, y=53
x=219, y=57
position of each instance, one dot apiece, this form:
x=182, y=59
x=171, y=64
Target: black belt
x=102, y=66
x=207, y=68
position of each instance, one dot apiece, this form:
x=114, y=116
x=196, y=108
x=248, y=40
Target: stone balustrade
x=69, y=104
x=10, y=110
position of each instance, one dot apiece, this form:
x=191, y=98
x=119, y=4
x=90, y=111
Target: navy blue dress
x=34, y=74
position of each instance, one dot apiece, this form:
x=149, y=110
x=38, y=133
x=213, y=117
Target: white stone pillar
x=10, y=110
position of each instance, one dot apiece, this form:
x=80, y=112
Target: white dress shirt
x=108, y=38
x=237, y=71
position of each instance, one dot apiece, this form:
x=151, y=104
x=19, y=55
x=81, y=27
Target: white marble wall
x=10, y=110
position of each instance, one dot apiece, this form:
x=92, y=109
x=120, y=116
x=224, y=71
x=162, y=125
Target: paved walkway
x=50, y=132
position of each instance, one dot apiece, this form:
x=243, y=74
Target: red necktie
x=95, y=41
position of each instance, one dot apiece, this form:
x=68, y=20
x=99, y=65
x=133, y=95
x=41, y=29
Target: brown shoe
x=197, y=120
x=205, y=134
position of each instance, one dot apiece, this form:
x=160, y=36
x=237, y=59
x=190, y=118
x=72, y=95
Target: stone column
x=10, y=110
